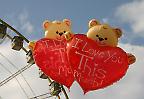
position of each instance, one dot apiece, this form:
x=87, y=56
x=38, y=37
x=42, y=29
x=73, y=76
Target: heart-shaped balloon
x=94, y=66
x=50, y=56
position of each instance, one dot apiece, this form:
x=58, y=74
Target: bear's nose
x=101, y=39
x=60, y=33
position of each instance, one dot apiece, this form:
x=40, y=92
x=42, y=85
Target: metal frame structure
x=30, y=61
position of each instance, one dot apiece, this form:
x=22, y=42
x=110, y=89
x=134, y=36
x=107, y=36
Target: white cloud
x=132, y=13
x=25, y=23
x=20, y=21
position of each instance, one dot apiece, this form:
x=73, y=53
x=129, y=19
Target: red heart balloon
x=94, y=66
x=50, y=56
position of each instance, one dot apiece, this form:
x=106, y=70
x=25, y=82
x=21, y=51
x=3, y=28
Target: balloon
x=94, y=66
x=50, y=56
x=82, y=59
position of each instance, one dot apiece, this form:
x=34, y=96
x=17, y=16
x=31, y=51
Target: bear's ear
x=46, y=24
x=67, y=21
x=118, y=32
x=93, y=22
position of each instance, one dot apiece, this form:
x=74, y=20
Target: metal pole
x=3, y=22
x=64, y=92
x=15, y=74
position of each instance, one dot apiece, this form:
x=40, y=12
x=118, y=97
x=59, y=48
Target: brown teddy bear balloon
x=54, y=30
x=105, y=35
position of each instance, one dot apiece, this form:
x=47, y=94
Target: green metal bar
x=62, y=89
x=49, y=80
x=14, y=30
x=64, y=92
x=50, y=83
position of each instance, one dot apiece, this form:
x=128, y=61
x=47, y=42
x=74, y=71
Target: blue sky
x=30, y=13
x=27, y=17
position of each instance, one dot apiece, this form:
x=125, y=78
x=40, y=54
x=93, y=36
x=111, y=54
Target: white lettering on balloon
x=76, y=43
x=58, y=59
x=82, y=57
x=88, y=65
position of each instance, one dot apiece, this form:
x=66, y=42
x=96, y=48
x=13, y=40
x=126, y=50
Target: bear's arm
x=31, y=45
x=131, y=58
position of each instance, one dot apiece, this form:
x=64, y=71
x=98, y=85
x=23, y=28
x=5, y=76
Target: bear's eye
x=64, y=31
x=57, y=32
x=97, y=36
x=105, y=38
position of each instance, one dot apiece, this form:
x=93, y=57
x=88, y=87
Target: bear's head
x=56, y=29
x=103, y=33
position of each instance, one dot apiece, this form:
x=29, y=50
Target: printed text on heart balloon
x=88, y=62
x=58, y=59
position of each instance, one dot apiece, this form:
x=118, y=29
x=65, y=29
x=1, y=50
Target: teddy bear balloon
x=95, y=59
x=54, y=30
x=105, y=35
x=49, y=52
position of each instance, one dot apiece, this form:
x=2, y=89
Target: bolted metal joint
x=3, y=29
x=55, y=88
x=42, y=75
x=17, y=43
x=29, y=57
